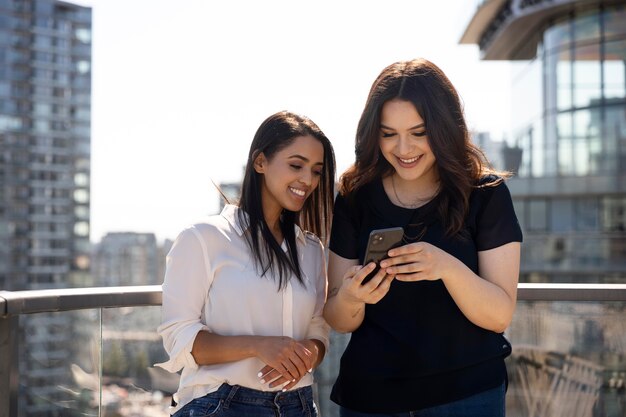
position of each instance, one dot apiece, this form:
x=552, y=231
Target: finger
x=383, y=288
x=375, y=281
x=290, y=385
x=306, y=356
x=352, y=271
x=299, y=363
x=417, y=276
x=406, y=249
x=290, y=370
x=400, y=259
x=264, y=371
x=270, y=376
x=409, y=268
x=363, y=272
x=279, y=381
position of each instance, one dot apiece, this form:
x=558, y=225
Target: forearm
x=343, y=315
x=483, y=303
x=210, y=348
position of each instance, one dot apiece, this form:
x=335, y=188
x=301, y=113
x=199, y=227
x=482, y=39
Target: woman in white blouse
x=244, y=290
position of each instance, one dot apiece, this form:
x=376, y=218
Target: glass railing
x=90, y=352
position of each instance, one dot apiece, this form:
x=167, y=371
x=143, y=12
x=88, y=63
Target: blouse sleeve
x=318, y=328
x=344, y=233
x=185, y=289
x=497, y=224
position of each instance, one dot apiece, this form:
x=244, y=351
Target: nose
x=307, y=177
x=405, y=145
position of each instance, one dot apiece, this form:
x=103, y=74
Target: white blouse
x=211, y=283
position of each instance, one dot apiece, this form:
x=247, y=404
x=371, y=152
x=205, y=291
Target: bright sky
x=180, y=87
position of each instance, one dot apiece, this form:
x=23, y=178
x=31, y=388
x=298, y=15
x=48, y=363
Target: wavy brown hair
x=459, y=163
x=276, y=133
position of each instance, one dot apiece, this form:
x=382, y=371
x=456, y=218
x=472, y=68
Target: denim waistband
x=302, y=396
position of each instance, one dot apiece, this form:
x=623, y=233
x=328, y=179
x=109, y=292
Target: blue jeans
x=237, y=401
x=488, y=403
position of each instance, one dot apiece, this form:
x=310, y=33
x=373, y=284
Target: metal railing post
x=9, y=371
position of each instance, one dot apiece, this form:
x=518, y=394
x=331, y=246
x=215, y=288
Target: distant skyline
x=179, y=88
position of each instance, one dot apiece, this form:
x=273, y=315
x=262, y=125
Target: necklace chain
x=418, y=201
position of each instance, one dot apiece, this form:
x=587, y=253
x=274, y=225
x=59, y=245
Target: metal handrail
x=40, y=301
x=13, y=303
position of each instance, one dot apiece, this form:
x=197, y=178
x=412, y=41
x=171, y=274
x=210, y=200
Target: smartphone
x=379, y=243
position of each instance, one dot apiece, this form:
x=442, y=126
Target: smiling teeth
x=408, y=161
x=296, y=191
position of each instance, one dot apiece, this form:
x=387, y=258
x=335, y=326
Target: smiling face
x=290, y=175
x=404, y=143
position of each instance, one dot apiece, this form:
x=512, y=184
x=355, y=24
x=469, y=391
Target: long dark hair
x=275, y=133
x=460, y=163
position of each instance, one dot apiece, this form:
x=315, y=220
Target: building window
x=587, y=215
x=81, y=229
x=615, y=70
x=614, y=214
x=537, y=215
x=562, y=215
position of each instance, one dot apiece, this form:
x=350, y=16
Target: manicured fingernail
x=293, y=380
x=311, y=370
x=284, y=389
x=262, y=381
x=260, y=374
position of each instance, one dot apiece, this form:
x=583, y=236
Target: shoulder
x=311, y=239
x=353, y=201
x=488, y=185
x=309, y=244
x=312, y=246
x=207, y=229
x=489, y=181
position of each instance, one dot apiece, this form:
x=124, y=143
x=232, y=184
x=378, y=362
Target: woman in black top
x=427, y=329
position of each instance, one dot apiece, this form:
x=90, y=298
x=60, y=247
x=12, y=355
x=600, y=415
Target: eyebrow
x=382, y=126
x=304, y=159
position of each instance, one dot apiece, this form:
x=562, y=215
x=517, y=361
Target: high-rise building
x=127, y=258
x=569, y=133
x=45, y=94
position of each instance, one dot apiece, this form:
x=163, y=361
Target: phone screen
x=379, y=243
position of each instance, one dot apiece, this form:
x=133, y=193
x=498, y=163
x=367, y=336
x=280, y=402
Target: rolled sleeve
x=185, y=288
x=318, y=328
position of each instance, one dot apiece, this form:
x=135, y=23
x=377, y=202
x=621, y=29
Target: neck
x=413, y=194
x=272, y=218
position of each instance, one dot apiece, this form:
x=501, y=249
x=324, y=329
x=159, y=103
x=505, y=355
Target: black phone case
x=379, y=243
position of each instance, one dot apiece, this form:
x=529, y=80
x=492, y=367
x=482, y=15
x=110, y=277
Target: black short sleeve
x=496, y=222
x=344, y=232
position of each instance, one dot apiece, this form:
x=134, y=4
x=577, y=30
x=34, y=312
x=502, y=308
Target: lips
x=298, y=192
x=408, y=162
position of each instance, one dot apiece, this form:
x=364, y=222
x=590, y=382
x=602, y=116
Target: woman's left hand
x=418, y=261
x=274, y=378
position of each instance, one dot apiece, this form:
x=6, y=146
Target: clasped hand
x=287, y=360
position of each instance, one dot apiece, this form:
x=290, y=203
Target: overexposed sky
x=180, y=87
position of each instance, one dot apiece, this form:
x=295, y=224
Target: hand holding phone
x=379, y=243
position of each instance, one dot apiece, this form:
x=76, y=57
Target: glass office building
x=569, y=113
x=568, y=151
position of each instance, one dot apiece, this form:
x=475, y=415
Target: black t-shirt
x=415, y=348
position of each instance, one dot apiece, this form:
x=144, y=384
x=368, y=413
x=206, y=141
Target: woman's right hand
x=353, y=290
x=344, y=310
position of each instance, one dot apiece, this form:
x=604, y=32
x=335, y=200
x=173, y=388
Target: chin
x=293, y=206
